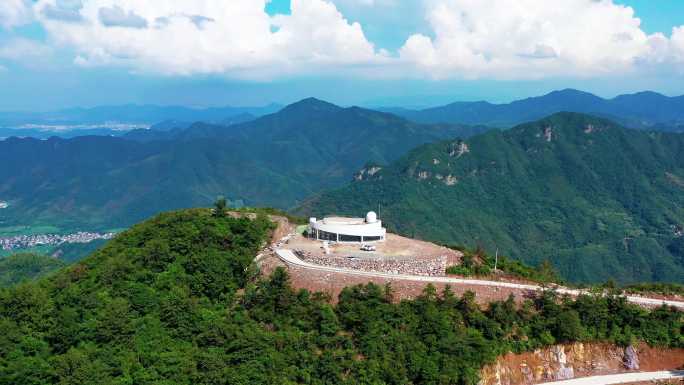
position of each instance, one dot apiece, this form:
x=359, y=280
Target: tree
x=548, y=273
x=220, y=207
x=568, y=326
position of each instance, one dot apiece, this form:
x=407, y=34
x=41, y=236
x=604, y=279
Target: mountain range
x=598, y=200
x=110, y=116
x=644, y=110
x=276, y=160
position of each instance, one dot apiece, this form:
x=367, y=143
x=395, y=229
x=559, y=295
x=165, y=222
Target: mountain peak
x=570, y=93
x=311, y=105
x=642, y=96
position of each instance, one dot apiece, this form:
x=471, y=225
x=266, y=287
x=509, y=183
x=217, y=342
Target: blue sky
x=369, y=52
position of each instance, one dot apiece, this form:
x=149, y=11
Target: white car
x=368, y=248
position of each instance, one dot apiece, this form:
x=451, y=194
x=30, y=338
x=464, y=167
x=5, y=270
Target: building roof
x=343, y=221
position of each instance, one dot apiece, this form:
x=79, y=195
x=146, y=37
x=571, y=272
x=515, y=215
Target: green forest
x=177, y=300
x=22, y=267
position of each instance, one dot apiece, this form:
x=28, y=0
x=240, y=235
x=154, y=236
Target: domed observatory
x=348, y=230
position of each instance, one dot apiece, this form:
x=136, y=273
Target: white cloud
x=64, y=10
x=500, y=39
x=678, y=43
x=14, y=13
x=236, y=37
x=530, y=39
x=117, y=17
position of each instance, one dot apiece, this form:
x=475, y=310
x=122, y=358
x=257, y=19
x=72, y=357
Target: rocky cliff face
x=367, y=173
x=562, y=362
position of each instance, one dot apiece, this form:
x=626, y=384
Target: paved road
x=291, y=259
x=624, y=378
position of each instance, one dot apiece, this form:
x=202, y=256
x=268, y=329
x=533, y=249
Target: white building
x=340, y=229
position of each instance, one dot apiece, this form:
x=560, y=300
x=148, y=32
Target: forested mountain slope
x=276, y=160
x=598, y=200
x=23, y=267
x=175, y=300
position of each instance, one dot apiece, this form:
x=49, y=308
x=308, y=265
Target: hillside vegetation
x=23, y=267
x=598, y=200
x=172, y=301
x=276, y=160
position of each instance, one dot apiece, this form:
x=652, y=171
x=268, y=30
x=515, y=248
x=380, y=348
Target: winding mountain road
x=624, y=378
x=291, y=259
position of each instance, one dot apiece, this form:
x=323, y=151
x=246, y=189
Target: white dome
x=371, y=217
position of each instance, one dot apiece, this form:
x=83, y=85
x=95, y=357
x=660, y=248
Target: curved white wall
x=361, y=230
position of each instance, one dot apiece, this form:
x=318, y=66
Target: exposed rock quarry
x=562, y=362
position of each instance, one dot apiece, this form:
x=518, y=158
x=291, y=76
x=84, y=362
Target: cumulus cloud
x=678, y=43
x=64, y=10
x=116, y=17
x=510, y=39
x=14, y=13
x=505, y=39
x=542, y=51
x=199, y=20
x=237, y=38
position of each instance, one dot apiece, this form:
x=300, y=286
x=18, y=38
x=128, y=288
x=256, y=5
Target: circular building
x=348, y=230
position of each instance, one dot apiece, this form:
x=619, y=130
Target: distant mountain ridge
x=599, y=200
x=275, y=160
x=147, y=114
x=644, y=110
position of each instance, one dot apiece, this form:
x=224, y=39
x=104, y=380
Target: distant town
x=28, y=241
